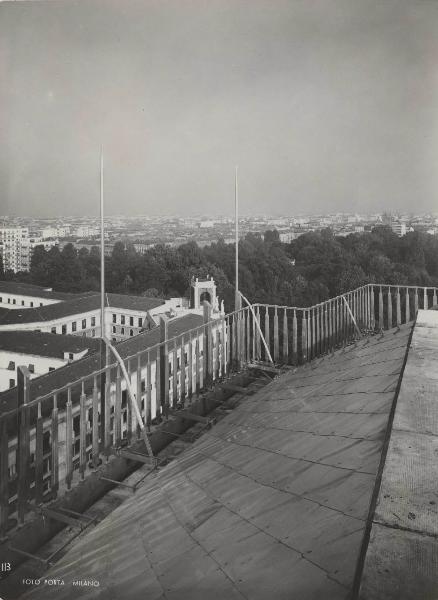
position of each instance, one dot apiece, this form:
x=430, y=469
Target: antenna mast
x=236, y=218
x=102, y=254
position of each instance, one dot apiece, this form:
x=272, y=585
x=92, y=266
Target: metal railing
x=52, y=440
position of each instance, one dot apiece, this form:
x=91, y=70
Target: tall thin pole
x=236, y=218
x=109, y=346
x=102, y=253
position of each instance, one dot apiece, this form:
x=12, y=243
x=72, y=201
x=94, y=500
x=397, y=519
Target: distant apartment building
x=287, y=236
x=399, y=228
x=206, y=224
x=55, y=232
x=142, y=247
x=86, y=231
x=14, y=248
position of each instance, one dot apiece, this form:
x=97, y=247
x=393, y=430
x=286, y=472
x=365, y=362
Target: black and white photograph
x=218, y=300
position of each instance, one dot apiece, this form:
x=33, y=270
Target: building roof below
x=81, y=368
x=270, y=503
x=76, y=305
x=28, y=289
x=38, y=343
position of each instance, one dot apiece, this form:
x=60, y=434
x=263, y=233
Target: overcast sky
x=325, y=105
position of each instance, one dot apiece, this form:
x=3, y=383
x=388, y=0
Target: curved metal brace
x=132, y=397
x=258, y=326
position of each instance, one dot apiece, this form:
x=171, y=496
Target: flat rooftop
x=272, y=502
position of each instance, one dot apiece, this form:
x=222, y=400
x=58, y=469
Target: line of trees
x=312, y=268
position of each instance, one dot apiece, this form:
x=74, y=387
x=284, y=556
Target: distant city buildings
x=86, y=232
x=55, y=232
x=20, y=236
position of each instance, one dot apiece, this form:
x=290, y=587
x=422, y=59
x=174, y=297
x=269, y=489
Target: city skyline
x=325, y=108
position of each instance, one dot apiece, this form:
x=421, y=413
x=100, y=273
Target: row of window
x=123, y=320
x=74, y=326
x=14, y=301
x=122, y=331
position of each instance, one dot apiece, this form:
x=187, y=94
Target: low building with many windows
x=40, y=352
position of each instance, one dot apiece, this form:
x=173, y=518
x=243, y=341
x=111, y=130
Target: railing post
x=83, y=431
x=318, y=331
x=223, y=348
x=54, y=479
x=117, y=425
x=366, y=292
x=416, y=303
x=106, y=408
x=407, y=307
x=248, y=334
x=313, y=333
x=295, y=338
x=197, y=364
x=353, y=305
x=372, y=313
x=326, y=329
x=389, y=308
x=39, y=461
x=257, y=334
x=174, y=375
x=208, y=344
x=285, y=338
x=241, y=321
x=425, y=299
x=330, y=325
x=217, y=364
x=138, y=396
x=95, y=425
x=4, y=477
x=183, y=370
x=309, y=335
x=398, y=308
x=128, y=409
x=267, y=331
x=304, y=337
x=434, y=302
x=158, y=375
x=276, y=340
x=164, y=365
x=148, y=395
x=68, y=441
x=233, y=325
x=381, y=323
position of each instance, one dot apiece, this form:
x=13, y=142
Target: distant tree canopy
x=312, y=268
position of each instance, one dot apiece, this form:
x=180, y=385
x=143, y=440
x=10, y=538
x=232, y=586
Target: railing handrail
x=199, y=329
x=340, y=296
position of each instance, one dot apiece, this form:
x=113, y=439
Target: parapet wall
x=402, y=557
